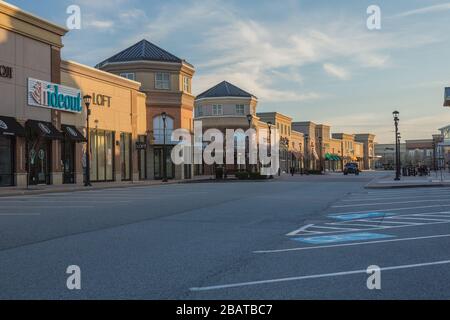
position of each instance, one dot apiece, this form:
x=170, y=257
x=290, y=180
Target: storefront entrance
x=68, y=161
x=6, y=161
x=39, y=151
x=125, y=155
x=159, y=163
x=102, y=155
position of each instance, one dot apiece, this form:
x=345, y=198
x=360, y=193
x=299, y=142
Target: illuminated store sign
x=54, y=96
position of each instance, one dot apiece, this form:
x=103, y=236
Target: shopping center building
x=43, y=117
x=167, y=82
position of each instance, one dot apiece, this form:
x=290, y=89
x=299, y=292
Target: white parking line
x=389, y=198
x=387, y=203
x=19, y=214
x=352, y=244
x=394, y=209
x=316, y=276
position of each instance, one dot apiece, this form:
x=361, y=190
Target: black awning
x=10, y=127
x=72, y=133
x=44, y=129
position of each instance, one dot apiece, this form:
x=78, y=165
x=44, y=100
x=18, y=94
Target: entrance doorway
x=39, y=152
x=159, y=163
x=6, y=161
x=68, y=160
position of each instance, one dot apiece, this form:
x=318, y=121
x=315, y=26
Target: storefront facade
x=29, y=131
x=167, y=82
x=117, y=124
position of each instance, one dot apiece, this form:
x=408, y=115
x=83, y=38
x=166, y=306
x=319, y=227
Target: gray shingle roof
x=143, y=50
x=224, y=89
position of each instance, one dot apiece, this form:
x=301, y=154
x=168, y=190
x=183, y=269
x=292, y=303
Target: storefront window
x=6, y=161
x=142, y=159
x=125, y=155
x=102, y=150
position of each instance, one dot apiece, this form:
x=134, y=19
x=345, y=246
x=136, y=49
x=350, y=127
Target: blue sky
x=313, y=60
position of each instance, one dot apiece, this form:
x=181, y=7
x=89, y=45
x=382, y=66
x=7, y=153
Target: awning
x=332, y=157
x=44, y=129
x=10, y=127
x=72, y=133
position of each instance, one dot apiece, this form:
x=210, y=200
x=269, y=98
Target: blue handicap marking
x=343, y=237
x=365, y=215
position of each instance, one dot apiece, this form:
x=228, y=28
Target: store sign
x=3, y=125
x=141, y=145
x=5, y=72
x=101, y=100
x=54, y=96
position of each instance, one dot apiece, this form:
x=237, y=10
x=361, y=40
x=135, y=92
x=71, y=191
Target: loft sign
x=5, y=72
x=53, y=96
x=101, y=100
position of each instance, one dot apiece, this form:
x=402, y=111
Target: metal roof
x=143, y=50
x=224, y=89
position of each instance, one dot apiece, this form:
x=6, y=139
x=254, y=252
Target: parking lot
x=299, y=237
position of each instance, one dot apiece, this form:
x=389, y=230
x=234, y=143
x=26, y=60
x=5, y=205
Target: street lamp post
x=269, y=125
x=247, y=163
x=164, y=117
x=87, y=102
x=307, y=165
x=397, y=145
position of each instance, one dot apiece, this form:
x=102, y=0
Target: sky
x=312, y=60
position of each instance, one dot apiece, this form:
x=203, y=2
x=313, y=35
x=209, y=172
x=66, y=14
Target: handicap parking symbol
x=342, y=238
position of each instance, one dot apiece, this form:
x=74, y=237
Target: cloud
x=336, y=71
x=98, y=24
x=424, y=10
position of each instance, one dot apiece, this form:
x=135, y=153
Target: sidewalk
x=435, y=179
x=42, y=189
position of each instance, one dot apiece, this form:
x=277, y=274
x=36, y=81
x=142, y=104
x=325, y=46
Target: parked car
x=351, y=168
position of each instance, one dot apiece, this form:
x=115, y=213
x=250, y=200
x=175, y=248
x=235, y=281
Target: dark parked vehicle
x=351, y=168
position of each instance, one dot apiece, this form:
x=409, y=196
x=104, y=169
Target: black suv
x=351, y=168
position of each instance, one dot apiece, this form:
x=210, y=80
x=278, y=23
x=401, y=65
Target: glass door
x=125, y=155
x=6, y=161
x=68, y=160
x=39, y=161
x=159, y=163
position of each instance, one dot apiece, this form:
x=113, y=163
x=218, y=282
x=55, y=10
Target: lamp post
x=87, y=102
x=397, y=146
x=307, y=166
x=247, y=163
x=269, y=125
x=164, y=117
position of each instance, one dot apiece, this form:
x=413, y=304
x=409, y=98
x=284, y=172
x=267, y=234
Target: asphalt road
x=292, y=238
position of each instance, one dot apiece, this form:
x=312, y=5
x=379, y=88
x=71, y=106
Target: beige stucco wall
x=28, y=58
x=118, y=116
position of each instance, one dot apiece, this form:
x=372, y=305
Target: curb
x=76, y=189
x=403, y=186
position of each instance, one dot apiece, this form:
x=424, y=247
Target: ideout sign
x=54, y=96
x=101, y=100
x=5, y=72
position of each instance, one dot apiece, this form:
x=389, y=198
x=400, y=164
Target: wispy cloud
x=336, y=71
x=430, y=9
